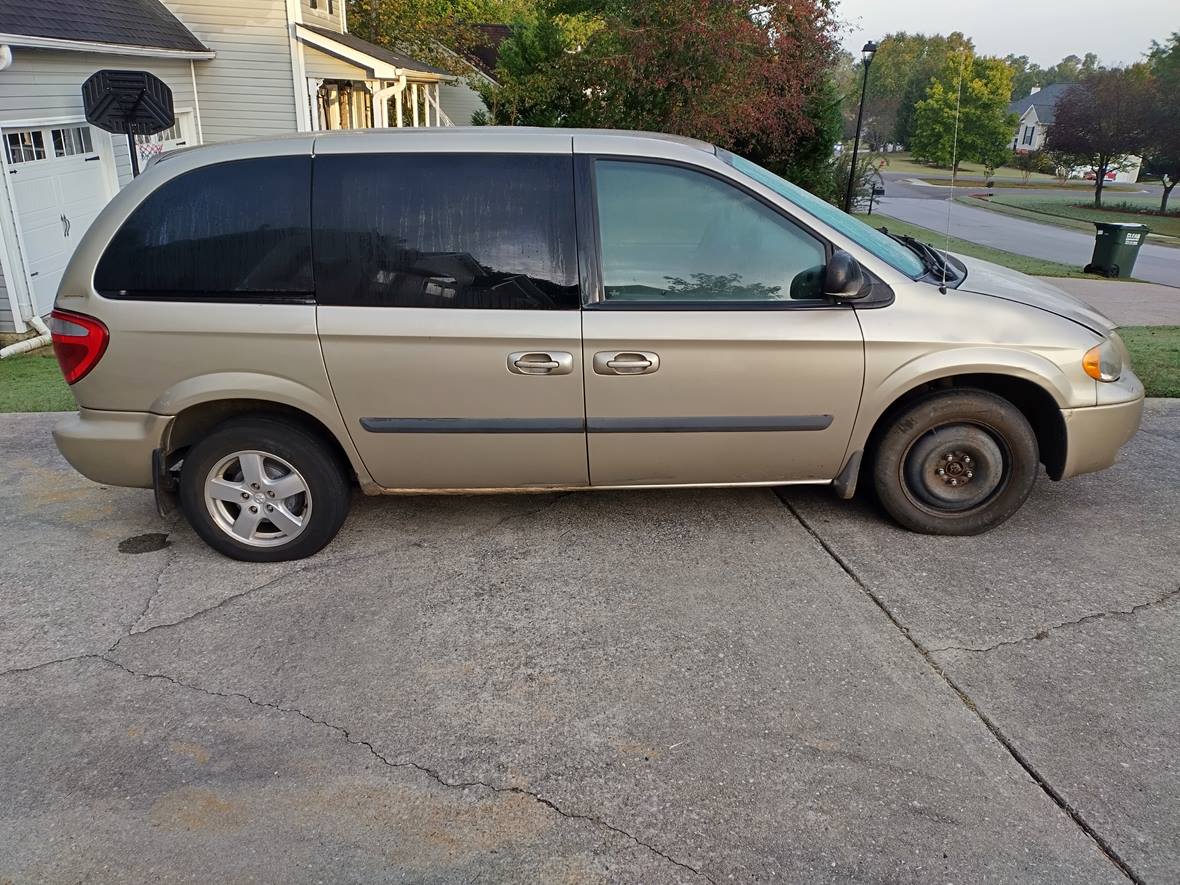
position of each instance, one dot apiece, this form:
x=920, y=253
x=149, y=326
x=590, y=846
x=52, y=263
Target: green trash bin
x=1116, y=246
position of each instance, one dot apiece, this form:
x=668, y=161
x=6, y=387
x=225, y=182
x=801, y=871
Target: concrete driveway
x=638, y=687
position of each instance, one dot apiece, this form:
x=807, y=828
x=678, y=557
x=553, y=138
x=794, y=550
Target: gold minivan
x=258, y=326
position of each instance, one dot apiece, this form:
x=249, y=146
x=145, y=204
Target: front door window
x=670, y=234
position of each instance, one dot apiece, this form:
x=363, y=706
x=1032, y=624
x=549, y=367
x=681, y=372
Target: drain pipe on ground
x=43, y=338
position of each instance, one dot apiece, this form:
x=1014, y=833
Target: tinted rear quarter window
x=482, y=231
x=233, y=231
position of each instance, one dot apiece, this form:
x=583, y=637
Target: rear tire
x=956, y=462
x=264, y=490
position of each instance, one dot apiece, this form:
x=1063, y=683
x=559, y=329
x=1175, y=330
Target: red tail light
x=78, y=343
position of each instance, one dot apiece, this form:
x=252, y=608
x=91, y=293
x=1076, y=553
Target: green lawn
x=1036, y=266
x=33, y=383
x=1155, y=356
x=1124, y=207
x=903, y=162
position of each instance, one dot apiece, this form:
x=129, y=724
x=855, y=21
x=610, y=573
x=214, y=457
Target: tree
x=1026, y=74
x=931, y=57
x=435, y=31
x=1163, y=124
x=530, y=88
x=974, y=125
x=758, y=82
x=1100, y=121
x=1028, y=162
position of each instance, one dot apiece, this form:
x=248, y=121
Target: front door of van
x=448, y=315
x=710, y=352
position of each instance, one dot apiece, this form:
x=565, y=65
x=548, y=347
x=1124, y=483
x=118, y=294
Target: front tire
x=956, y=462
x=264, y=490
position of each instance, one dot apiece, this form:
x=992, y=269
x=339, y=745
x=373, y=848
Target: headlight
x=1103, y=362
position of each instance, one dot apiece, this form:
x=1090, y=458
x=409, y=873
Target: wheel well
x=1034, y=402
x=197, y=421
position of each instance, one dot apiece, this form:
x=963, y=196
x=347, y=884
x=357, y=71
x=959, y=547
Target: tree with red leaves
x=754, y=79
x=1102, y=120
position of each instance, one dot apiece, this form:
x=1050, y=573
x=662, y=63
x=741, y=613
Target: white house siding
x=459, y=102
x=249, y=89
x=6, y=323
x=47, y=85
x=328, y=67
x=319, y=15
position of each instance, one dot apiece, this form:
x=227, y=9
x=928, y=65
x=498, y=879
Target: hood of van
x=985, y=278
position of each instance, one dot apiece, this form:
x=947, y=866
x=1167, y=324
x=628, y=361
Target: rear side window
x=482, y=231
x=237, y=231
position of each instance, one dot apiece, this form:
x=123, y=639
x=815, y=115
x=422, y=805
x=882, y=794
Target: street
x=928, y=206
x=649, y=686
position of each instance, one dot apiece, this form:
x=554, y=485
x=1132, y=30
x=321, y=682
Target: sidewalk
x=1127, y=303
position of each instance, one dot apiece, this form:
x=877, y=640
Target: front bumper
x=1095, y=434
x=113, y=448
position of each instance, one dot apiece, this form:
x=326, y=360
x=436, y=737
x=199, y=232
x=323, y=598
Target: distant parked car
x=259, y=326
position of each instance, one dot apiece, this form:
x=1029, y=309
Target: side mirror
x=843, y=277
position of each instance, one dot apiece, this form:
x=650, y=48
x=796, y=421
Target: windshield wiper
x=933, y=260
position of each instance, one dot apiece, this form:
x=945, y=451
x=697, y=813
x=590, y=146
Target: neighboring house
x=462, y=101
x=237, y=69
x=1036, y=112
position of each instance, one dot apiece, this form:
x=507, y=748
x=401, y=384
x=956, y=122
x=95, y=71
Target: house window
x=149, y=146
x=70, y=141
x=1028, y=134
x=25, y=145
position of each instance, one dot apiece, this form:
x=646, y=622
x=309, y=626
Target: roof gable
x=1044, y=101
x=389, y=56
x=145, y=23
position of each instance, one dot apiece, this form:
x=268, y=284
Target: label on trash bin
x=1133, y=239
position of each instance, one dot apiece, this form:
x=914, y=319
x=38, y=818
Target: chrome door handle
x=540, y=362
x=626, y=362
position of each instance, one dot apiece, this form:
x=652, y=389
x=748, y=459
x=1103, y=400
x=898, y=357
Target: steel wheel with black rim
x=263, y=490
x=956, y=462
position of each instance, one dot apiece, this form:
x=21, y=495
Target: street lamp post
x=866, y=55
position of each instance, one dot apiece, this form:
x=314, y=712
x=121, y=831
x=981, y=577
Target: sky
x=1044, y=30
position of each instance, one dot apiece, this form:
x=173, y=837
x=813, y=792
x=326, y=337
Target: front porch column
x=313, y=101
x=380, y=95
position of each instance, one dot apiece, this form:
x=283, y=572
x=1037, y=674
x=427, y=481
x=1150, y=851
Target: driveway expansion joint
x=1075, y=814
x=1044, y=632
x=386, y=761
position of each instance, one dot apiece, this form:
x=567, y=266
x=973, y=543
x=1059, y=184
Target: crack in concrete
x=1024, y=762
x=524, y=514
x=34, y=667
x=1044, y=632
x=410, y=764
x=169, y=561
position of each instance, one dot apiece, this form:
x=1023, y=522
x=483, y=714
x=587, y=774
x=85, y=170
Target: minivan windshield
x=884, y=247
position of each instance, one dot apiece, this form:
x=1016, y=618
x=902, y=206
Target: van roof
x=490, y=136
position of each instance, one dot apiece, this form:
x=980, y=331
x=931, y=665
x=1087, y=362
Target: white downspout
x=43, y=335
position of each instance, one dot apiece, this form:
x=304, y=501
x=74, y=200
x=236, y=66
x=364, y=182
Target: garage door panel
x=33, y=190
x=81, y=186
x=56, y=198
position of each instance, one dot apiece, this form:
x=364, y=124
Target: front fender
x=893, y=380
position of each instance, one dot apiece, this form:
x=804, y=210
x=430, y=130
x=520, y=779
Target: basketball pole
x=131, y=150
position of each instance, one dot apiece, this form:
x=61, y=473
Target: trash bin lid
x=1119, y=225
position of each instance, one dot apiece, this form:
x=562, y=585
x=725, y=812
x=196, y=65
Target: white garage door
x=58, y=186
